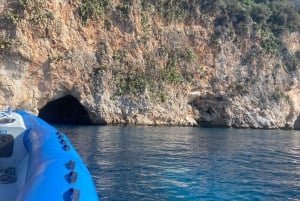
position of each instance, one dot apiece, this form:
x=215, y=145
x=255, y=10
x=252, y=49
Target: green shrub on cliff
x=132, y=83
x=278, y=15
x=92, y=9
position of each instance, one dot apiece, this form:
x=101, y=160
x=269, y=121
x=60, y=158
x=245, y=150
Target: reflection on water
x=179, y=163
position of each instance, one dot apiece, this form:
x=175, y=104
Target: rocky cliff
x=139, y=62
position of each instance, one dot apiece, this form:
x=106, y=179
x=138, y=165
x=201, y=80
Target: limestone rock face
x=142, y=71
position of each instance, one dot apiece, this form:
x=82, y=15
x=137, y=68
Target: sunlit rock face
x=143, y=72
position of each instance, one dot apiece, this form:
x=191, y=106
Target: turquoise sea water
x=179, y=163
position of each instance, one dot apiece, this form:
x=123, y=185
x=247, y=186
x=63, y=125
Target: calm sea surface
x=179, y=163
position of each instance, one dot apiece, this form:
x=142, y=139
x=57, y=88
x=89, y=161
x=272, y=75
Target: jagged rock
x=92, y=63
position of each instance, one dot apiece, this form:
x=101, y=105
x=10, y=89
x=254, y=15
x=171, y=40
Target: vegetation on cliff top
x=236, y=15
x=234, y=20
x=231, y=20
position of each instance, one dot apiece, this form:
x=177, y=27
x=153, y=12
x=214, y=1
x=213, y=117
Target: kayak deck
x=8, y=175
x=12, y=180
x=13, y=158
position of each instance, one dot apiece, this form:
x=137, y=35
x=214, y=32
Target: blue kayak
x=39, y=163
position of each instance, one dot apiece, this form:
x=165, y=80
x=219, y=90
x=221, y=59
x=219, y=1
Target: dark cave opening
x=65, y=110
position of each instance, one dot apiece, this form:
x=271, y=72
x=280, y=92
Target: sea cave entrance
x=65, y=110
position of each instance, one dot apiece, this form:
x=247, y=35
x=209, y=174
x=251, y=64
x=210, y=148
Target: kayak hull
x=49, y=167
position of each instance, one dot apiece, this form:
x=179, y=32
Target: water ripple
x=170, y=163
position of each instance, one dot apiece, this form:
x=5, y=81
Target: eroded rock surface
x=137, y=72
